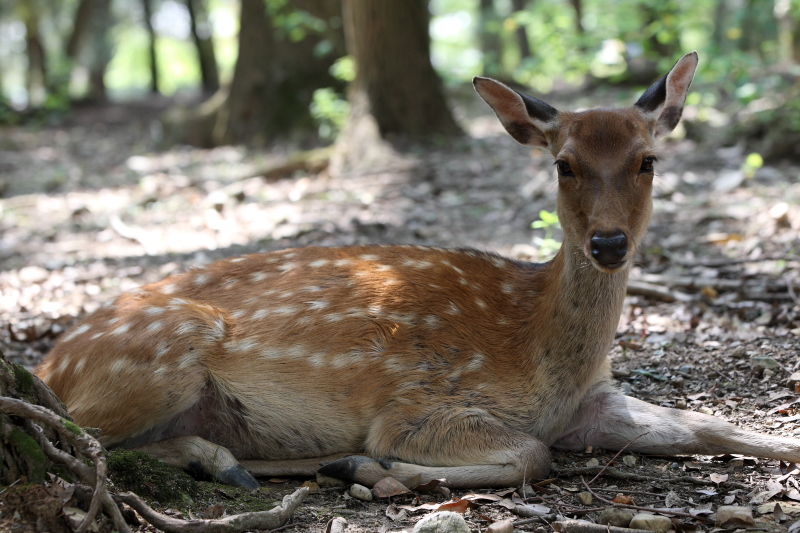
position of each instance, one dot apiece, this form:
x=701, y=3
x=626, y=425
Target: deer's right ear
x=526, y=118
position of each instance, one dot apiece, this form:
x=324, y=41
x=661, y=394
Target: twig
x=628, y=476
x=582, y=526
x=271, y=519
x=715, y=263
x=637, y=508
x=615, y=457
x=656, y=292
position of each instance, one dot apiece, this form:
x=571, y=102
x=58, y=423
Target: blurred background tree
x=255, y=71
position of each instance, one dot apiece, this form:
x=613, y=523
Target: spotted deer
x=405, y=361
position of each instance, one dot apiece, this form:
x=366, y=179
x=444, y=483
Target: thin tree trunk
x=201, y=33
x=783, y=18
x=148, y=14
x=36, y=81
x=491, y=47
x=578, y=7
x=88, y=43
x=521, y=33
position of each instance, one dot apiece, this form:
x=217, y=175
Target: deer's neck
x=575, y=324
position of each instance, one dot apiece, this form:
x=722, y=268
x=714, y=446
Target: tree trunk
x=88, y=43
x=578, y=7
x=147, y=5
x=201, y=33
x=36, y=81
x=390, y=43
x=521, y=33
x=273, y=81
x=491, y=46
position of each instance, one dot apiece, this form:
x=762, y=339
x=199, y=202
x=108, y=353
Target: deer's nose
x=609, y=248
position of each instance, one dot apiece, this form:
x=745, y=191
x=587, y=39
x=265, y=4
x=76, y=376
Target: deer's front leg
x=608, y=419
x=464, y=446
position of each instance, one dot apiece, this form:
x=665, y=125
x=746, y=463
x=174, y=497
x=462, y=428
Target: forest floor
x=93, y=207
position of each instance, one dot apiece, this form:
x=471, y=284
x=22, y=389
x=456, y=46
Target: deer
x=418, y=363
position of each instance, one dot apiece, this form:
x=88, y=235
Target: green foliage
x=548, y=246
x=329, y=109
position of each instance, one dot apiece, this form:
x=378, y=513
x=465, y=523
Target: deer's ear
x=526, y=118
x=663, y=101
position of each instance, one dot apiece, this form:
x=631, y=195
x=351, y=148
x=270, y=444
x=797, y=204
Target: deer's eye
x=563, y=169
x=647, y=165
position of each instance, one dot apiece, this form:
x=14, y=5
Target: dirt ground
x=93, y=207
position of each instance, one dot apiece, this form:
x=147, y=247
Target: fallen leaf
x=778, y=513
x=388, y=487
x=707, y=492
x=501, y=526
x=214, y=511
x=623, y=499
x=278, y=479
x=457, y=506
x=764, y=496
x=791, y=508
x=794, y=528
x=430, y=486
x=312, y=486
x=729, y=499
x=424, y=507
x=718, y=478
x=393, y=513
x=793, y=494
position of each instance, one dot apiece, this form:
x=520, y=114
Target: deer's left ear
x=663, y=101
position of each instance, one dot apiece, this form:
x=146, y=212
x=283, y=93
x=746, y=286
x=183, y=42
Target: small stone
x=32, y=274
x=593, y=462
x=705, y=410
x=651, y=522
x=680, y=403
x=672, y=499
x=678, y=382
x=629, y=461
x=767, y=375
x=759, y=363
x=501, y=526
x=442, y=522
x=734, y=517
x=585, y=498
x=360, y=492
x=793, y=380
x=615, y=517
x=740, y=352
x=738, y=462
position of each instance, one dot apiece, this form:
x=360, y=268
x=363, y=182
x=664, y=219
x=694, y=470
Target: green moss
x=153, y=480
x=30, y=454
x=23, y=380
x=72, y=427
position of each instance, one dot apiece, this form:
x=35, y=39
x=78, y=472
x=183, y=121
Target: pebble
x=360, y=492
x=740, y=352
x=501, y=526
x=651, y=522
x=629, y=461
x=705, y=410
x=680, y=403
x=326, y=481
x=793, y=380
x=593, y=462
x=442, y=522
x=615, y=517
x=734, y=516
x=585, y=498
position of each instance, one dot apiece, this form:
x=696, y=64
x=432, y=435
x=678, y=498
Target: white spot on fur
x=475, y=362
x=432, y=321
x=186, y=327
x=188, y=359
x=64, y=364
x=462, y=281
x=384, y=268
x=257, y=277
x=287, y=294
x=119, y=365
x=154, y=310
x=316, y=360
x=480, y=303
x=258, y=315
x=155, y=326
x=343, y=262
x=177, y=303
x=312, y=288
x=122, y=329
x=334, y=317
x=201, y=279
x=83, y=328
x=161, y=350
x=238, y=313
x=414, y=263
x=245, y=345
x=286, y=267
x=369, y=257
x=113, y=320
x=79, y=365
x=97, y=335
x=169, y=288
x=318, y=304
x=499, y=262
x=507, y=288
x=237, y=259
x=453, y=309
x=285, y=310
x=318, y=263
x=229, y=283
x=451, y=265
